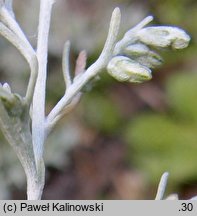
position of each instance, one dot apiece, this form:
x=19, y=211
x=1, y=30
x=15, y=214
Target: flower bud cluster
x=135, y=58
x=123, y=69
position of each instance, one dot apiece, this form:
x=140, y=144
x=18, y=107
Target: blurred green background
x=121, y=137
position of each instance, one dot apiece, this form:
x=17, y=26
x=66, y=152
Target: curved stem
x=50, y=125
x=130, y=36
x=92, y=71
x=8, y=19
x=65, y=64
x=29, y=54
x=19, y=38
x=32, y=80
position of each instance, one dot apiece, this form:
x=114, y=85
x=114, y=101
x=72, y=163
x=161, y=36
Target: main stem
x=38, y=109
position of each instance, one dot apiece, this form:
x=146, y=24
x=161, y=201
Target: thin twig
x=29, y=55
x=16, y=41
x=8, y=19
x=32, y=80
x=65, y=65
x=92, y=71
x=143, y=23
x=162, y=186
x=130, y=36
x=68, y=109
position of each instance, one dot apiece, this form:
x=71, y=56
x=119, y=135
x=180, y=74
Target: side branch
x=92, y=71
x=27, y=51
x=65, y=65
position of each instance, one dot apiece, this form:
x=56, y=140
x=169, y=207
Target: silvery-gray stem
x=38, y=109
x=91, y=72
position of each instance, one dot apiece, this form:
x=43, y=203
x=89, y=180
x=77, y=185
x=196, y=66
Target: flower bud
x=125, y=69
x=142, y=54
x=137, y=49
x=163, y=36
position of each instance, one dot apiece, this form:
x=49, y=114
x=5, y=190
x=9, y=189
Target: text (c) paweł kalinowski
x=96, y=207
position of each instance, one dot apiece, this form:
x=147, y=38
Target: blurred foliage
x=101, y=113
x=176, y=12
x=168, y=141
x=98, y=109
x=182, y=95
